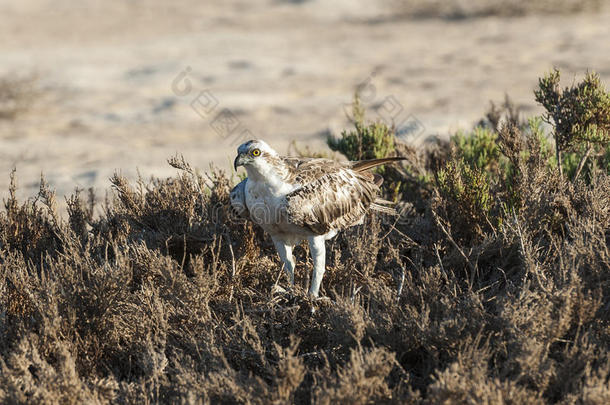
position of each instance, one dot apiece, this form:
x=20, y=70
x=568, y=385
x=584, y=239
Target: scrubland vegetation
x=493, y=286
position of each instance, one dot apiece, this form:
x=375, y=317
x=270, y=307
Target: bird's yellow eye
x=256, y=152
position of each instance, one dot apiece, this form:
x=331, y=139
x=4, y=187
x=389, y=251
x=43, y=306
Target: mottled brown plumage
x=335, y=200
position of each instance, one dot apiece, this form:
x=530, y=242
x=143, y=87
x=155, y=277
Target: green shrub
x=466, y=191
x=579, y=115
x=366, y=140
x=479, y=149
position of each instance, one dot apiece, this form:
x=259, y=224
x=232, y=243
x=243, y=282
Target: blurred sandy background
x=123, y=85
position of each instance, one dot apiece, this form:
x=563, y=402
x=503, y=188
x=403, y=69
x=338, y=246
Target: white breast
x=267, y=205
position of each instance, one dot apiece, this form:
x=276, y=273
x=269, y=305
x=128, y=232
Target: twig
x=582, y=162
x=233, y=271
x=458, y=248
x=440, y=263
x=558, y=156
x=318, y=353
x=527, y=256
x=393, y=228
x=400, y=283
x=355, y=292
x=266, y=311
x=183, y=251
x=232, y=256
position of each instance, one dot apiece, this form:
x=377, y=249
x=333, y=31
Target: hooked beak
x=239, y=161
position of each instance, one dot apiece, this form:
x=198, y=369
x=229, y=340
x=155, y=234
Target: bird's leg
x=285, y=252
x=318, y=255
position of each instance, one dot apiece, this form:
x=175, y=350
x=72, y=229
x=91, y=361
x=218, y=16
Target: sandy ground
x=123, y=85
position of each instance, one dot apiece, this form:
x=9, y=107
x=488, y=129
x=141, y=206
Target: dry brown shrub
x=165, y=298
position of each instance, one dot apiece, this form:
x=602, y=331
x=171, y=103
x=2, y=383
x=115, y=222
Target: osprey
x=294, y=199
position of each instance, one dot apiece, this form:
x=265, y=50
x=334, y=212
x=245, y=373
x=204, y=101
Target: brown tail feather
x=363, y=165
x=385, y=210
x=381, y=201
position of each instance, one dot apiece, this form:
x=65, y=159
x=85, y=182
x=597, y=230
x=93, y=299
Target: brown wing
x=306, y=170
x=333, y=201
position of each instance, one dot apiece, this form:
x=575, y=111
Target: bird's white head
x=259, y=159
